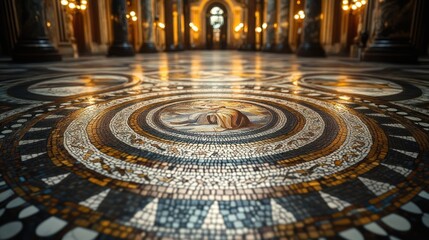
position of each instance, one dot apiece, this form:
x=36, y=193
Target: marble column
x=169, y=26
x=270, y=36
x=33, y=43
x=148, y=45
x=391, y=39
x=310, y=45
x=283, y=27
x=120, y=47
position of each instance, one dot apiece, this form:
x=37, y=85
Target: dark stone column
x=391, y=40
x=250, y=43
x=186, y=13
x=366, y=26
x=120, y=46
x=260, y=8
x=310, y=46
x=148, y=45
x=179, y=46
x=169, y=26
x=419, y=29
x=9, y=27
x=283, y=27
x=270, y=30
x=33, y=44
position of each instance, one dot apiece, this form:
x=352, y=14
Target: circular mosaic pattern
x=360, y=84
x=214, y=161
x=354, y=84
x=287, y=141
x=68, y=86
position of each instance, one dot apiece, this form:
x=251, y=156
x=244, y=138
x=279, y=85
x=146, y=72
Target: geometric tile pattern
x=214, y=145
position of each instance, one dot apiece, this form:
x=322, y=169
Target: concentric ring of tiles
x=78, y=144
x=113, y=165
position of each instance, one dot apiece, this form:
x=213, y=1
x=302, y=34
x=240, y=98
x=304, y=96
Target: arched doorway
x=216, y=27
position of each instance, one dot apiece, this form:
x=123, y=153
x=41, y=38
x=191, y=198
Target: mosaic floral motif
x=220, y=145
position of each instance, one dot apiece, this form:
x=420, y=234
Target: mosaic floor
x=214, y=145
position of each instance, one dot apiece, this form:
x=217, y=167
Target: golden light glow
x=132, y=13
x=161, y=25
x=299, y=15
x=134, y=18
x=344, y=98
x=238, y=27
x=264, y=26
x=258, y=29
x=354, y=5
x=48, y=24
x=73, y=4
x=193, y=27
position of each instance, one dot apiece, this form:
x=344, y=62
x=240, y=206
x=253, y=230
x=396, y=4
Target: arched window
x=216, y=17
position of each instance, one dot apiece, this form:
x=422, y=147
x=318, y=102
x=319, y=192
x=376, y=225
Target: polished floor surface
x=214, y=145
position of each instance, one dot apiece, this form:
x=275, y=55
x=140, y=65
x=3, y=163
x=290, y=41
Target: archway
x=216, y=26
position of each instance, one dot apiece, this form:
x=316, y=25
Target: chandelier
x=353, y=4
x=75, y=4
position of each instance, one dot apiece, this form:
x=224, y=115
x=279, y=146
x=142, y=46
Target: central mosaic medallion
x=220, y=116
